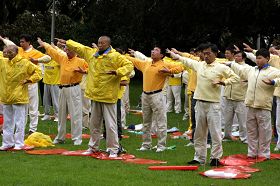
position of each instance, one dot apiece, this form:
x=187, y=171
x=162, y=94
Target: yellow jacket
x=237, y=91
x=1, y=54
x=102, y=87
x=51, y=73
x=259, y=94
x=13, y=72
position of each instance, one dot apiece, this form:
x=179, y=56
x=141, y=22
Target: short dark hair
x=231, y=49
x=162, y=50
x=263, y=52
x=213, y=47
x=242, y=53
x=26, y=37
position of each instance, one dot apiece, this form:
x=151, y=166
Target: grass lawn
x=18, y=168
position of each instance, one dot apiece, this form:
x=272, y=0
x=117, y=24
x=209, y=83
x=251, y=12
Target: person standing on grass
x=27, y=51
x=259, y=102
x=16, y=74
x=106, y=68
x=153, y=104
x=211, y=75
x=72, y=69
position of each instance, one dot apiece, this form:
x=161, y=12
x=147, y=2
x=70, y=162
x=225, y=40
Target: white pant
x=108, y=112
x=259, y=132
x=154, y=111
x=125, y=105
x=208, y=116
x=186, y=103
x=33, y=106
x=1, y=109
x=239, y=109
x=70, y=101
x=86, y=109
x=278, y=120
x=174, y=93
x=14, y=117
x=51, y=93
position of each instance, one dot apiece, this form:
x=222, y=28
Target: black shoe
x=193, y=162
x=215, y=162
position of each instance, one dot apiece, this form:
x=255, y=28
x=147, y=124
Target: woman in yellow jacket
x=16, y=73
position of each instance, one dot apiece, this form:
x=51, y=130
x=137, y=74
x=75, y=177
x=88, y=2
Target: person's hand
x=236, y=48
x=33, y=60
x=164, y=70
x=173, y=55
x=218, y=82
x=93, y=45
x=131, y=51
x=62, y=41
x=80, y=70
x=124, y=83
x=41, y=42
x=247, y=48
x=112, y=72
x=26, y=81
x=268, y=81
x=175, y=50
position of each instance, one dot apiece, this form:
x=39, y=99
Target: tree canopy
x=141, y=24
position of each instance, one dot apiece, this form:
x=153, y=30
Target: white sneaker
x=113, y=155
x=208, y=146
x=77, y=142
x=46, y=117
x=276, y=149
x=160, y=149
x=3, y=148
x=55, y=119
x=88, y=152
x=190, y=144
x=40, y=115
x=144, y=149
x=18, y=148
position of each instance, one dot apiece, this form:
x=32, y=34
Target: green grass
x=18, y=168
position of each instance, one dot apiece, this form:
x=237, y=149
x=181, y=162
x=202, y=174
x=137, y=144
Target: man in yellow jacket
x=72, y=69
x=106, y=68
x=27, y=51
x=16, y=73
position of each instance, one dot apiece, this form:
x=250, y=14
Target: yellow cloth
x=259, y=95
x=13, y=72
x=173, y=81
x=38, y=139
x=32, y=53
x=206, y=74
x=152, y=79
x=51, y=73
x=102, y=87
x=237, y=91
x=1, y=54
x=67, y=66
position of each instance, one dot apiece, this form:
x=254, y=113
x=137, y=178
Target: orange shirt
x=30, y=53
x=67, y=66
x=152, y=79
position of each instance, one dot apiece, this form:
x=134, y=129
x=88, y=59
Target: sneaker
x=160, y=149
x=276, y=149
x=3, y=148
x=113, y=155
x=208, y=146
x=57, y=141
x=90, y=151
x=190, y=144
x=122, y=150
x=18, y=148
x=78, y=142
x=55, y=119
x=154, y=147
x=40, y=115
x=144, y=148
x=215, y=162
x=193, y=162
x=46, y=117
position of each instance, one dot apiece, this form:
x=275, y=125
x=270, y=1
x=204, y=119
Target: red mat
x=225, y=175
x=172, y=167
x=46, y=152
x=75, y=153
x=240, y=160
x=143, y=161
x=275, y=156
x=105, y=156
x=25, y=147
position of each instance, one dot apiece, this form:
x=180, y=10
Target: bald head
x=104, y=42
x=10, y=51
